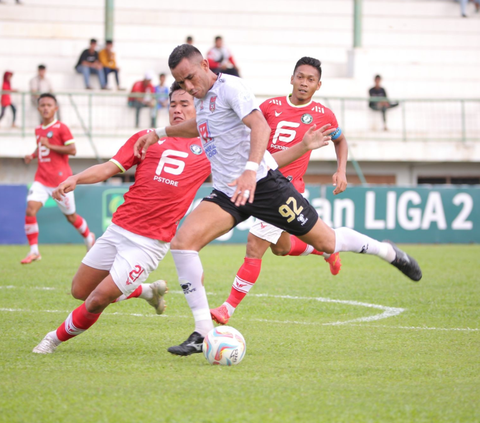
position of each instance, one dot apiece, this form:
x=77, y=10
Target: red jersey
x=166, y=182
x=139, y=87
x=288, y=125
x=53, y=167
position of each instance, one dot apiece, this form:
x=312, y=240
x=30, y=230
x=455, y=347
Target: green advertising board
x=408, y=215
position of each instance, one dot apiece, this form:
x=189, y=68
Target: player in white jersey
x=247, y=189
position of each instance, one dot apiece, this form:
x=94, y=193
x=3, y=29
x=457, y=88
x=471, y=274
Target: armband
x=251, y=166
x=161, y=132
x=336, y=134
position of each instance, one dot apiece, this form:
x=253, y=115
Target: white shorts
x=127, y=256
x=266, y=231
x=40, y=193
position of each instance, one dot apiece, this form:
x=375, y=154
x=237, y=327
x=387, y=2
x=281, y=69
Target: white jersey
x=225, y=138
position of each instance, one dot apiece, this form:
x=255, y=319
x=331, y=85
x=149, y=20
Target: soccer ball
x=224, y=345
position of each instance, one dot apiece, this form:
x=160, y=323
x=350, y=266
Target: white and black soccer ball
x=225, y=346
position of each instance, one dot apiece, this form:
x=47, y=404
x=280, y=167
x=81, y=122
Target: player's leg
x=86, y=280
x=245, y=278
x=36, y=198
x=67, y=206
x=205, y=223
x=14, y=113
x=82, y=318
x=293, y=246
x=324, y=238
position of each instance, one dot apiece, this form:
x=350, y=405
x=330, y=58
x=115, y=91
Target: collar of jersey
x=50, y=124
x=294, y=105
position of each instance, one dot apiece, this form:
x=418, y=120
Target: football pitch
x=367, y=345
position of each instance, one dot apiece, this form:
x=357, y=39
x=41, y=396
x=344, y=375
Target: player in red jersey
x=54, y=144
x=138, y=238
x=289, y=118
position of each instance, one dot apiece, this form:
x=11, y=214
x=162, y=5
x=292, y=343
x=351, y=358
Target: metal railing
x=97, y=114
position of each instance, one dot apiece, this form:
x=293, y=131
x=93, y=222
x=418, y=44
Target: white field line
x=387, y=312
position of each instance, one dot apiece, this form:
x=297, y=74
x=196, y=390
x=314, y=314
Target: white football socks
x=347, y=239
x=190, y=276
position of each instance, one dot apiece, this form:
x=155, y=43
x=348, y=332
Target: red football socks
x=246, y=276
x=77, y=322
x=300, y=248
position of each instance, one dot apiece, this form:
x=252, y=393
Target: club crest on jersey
x=49, y=134
x=307, y=119
x=196, y=149
x=212, y=103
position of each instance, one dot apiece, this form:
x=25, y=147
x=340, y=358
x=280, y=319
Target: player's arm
x=340, y=176
x=69, y=148
x=187, y=129
x=29, y=157
x=259, y=136
x=92, y=175
x=313, y=139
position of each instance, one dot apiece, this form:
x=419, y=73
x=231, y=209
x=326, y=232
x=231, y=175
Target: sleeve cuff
x=122, y=169
x=70, y=142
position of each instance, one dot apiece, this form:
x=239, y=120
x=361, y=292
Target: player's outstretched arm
x=69, y=149
x=339, y=178
x=187, y=129
x=247, y=181
x=92, y=175
x=313, y=139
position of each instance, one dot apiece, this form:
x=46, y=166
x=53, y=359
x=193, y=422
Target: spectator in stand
x=40, y=84
x=189, y=40
x=221, y=60
x=463, y=6
x=109, y=63
x=6, y=99
x=161, y=96
x=145, y=86
x=88, y=63
x=382, y=105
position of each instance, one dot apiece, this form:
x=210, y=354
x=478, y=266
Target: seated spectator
x=88, y=63
x=161, y=95
x=40, y=84
x=6, y=99
x=108, y=61
x=463, y=6
x=189, y=40
x=381, y=105
x=221, y=60
x=147, y=100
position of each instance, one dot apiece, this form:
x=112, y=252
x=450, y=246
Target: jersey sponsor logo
x=169, y=164
x=134, y=274
x=318, y=109
x=43, y=153
x=275, y=101
x=277, y=114
x=307, y=119
x=212, y=103
x=285, y=131
x=196, y=149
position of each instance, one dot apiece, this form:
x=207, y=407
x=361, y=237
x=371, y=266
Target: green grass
x=298, y=367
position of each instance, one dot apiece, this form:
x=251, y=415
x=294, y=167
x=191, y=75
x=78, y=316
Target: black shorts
x=276, y=202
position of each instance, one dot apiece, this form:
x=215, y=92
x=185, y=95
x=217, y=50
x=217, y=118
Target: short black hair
x=183, y=51
x=315, y=63
x=46, y=95
x=41, y=67
x=378, y=76
x=109, y=42
x=218, y=37
x=189, y=38
x=162, y=74
x=175, y=87
x=93, y=40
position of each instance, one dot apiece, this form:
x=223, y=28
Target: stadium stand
x=422, y=49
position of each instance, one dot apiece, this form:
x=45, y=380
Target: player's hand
x=317, y=138
x=245, y=191
x=28, y=158
x=340, y=182
x=44, y=142
x=66, y=186
x=142, y=144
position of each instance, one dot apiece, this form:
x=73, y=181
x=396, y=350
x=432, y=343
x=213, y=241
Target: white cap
x=149, y=75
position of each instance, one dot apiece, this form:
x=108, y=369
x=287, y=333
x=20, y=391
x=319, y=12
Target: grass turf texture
x=296, y=368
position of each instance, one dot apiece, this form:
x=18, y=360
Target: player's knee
x=279, y=251
x=71, y=217
x=96, y=302
x=31, y=211
x=78, y=293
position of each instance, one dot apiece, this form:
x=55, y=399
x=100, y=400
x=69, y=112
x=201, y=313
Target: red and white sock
x=245, y=278
x=81, y=226
x=31, y=230
x=143, y=291
x=77, y=322
x=300, y=248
